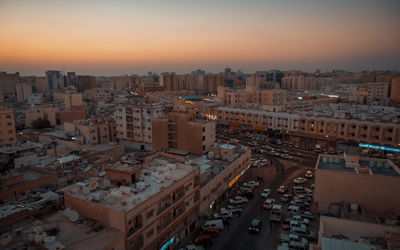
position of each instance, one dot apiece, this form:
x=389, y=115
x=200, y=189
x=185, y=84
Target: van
x=213, y=224
x=292, y=210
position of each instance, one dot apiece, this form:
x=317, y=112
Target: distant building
x=86, y=82
x=55, y=79
x=7, y=126
x=23, y=91
x=91, y=131
x=183, y=131
x=395, y=89
x=377, y=93
x=45, y=112
x=8, y=82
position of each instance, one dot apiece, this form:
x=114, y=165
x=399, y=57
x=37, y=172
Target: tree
x=40, y=123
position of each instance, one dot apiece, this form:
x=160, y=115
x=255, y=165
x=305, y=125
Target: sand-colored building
x=7, y=126
x=161, y=205
x=92, y=131
x=46, y=112
x=371, y=183
x=183, y=131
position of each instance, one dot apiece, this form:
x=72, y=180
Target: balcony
x=162, y=209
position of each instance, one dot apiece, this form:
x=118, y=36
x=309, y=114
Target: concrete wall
x=374, y=193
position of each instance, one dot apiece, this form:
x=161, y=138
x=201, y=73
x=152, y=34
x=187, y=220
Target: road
x=237, y=235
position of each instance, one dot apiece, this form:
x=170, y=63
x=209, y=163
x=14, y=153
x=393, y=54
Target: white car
x=300, y=180
x=238, y=200
x=253, y=183
x=265, y=193
x=233, y=209
x=225, y=214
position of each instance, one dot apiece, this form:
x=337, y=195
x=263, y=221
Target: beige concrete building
x=183, y=131
x=395, y=89
x=161, y=205
x=23, y=91
x=92, y=131
x=45, y=112
x=330, y=124
x=7, y=126
x=351, y=179
x=377, y=93
x=8, y=82
x=224, y=166
x=134, y=121
x=360, y=233
x=73, y=100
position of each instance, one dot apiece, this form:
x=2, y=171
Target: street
x=237, y=236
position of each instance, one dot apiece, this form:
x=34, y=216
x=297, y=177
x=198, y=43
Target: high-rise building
x=86, y=82
x=8, y=81
x=55, y=79
x=7, y=126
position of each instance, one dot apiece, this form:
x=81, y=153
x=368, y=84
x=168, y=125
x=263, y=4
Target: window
x=150, y=233
x=8, y=116
x=150, y=214
x=9, y=124
x=204, y=129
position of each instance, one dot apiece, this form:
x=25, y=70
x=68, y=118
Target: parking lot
x=236, y=235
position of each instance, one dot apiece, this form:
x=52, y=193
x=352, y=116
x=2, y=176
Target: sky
x=117, y=37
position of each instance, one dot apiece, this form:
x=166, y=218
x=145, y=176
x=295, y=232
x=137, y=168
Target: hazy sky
x=124, y=37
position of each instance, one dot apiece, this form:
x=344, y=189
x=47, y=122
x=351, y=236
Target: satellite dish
x=86, y=190
x=74, y=216
x=107, y=183
x=67, y=212
x=49, y=241
x=102, y=173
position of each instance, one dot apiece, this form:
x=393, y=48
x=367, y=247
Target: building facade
x=7, y=126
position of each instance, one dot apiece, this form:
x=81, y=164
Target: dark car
x=213, y=232
x=255, y=226
x=203, y=240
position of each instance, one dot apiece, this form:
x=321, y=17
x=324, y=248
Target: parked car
x=218, y=223
x=303, y=232
x=300, y=203
x=234, y=209
x=282, y=189
x=238, y=200
x=308, y=174
x=308, y=215
x=213, y=232
x=203, y=240
x=255, y=226
x=225, y=214
x=286, y=198
x=312, y=186
x=293, y=237
x=265, y=193
x=253, y=183
x=268, y=203
x=192, y=247
x=301, y=220
x=300, y=180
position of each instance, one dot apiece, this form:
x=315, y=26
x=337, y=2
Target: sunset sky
x=124, y=37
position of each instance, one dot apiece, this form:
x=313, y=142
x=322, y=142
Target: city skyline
x=127, y=37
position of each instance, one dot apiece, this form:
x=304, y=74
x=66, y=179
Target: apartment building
x=322, y=124
x=45, y=112
x=352, y=179
x=134, y=120
x=23, y=91
x=160, y=207
x=8, y=82
x=395, y=89
x=224, y=165
x=377, y=93
x=92, y=131
x=183, y=131
x=7, y=126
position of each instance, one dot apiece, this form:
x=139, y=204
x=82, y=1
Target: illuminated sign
x=300, y=98
x=168, y=243
x=363, y=145
x=234, y=180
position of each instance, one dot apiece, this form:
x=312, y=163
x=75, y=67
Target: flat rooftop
x=371, y=166
x=86, y=234
x=157, y=173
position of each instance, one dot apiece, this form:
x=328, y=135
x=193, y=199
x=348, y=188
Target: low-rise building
x=92, y=131
x=159, y=207
x=350, y=178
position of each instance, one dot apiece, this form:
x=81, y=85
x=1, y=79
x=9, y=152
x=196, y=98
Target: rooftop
x=157, y=173
x=356, y=164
